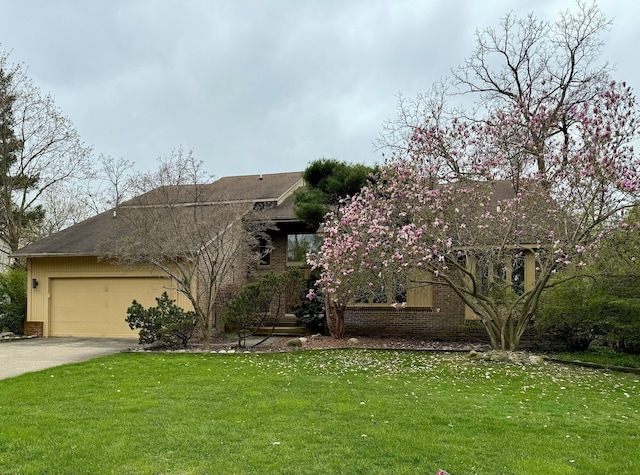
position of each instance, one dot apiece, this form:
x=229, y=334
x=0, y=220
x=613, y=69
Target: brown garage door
x=97, y=307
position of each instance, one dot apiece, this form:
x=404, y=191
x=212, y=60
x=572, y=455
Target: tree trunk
x=504, y=335
x=205, y=331
x=335, y=318
x=339, y=328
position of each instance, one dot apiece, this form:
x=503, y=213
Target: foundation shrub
x=569, y=314
x=13, y=300
x=620, y=325
x=165, y=324
x=310, y=312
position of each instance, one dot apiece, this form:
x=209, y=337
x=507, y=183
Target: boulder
x=536, y=359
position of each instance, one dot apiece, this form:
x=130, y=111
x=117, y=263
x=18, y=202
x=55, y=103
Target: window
x=265, y=253
x=384, y=293
x=511, y=273
x=415, y=291
x=517, y=274
x=298, y=245
x=484, y=269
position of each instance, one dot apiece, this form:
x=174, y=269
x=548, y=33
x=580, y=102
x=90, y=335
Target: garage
x=97, y=307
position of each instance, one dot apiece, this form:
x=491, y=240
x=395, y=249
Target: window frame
x=311, y=247
x=265, y=251
x=415, y=294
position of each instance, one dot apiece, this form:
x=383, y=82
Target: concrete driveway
x=24, y=356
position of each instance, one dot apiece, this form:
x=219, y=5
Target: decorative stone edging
x=10, y=336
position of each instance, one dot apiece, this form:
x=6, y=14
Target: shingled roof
x=274, y=187
x=272, y=191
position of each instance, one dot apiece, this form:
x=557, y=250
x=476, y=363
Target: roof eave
x=54, y=254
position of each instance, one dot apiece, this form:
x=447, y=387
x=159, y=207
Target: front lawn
x=341, y=411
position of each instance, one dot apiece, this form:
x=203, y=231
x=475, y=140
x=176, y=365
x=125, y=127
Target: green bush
x=583, y=310
x=620, y=325
x=569, y=314
x=13, y=300
x=247, y=311
x=165, y=324
x=310, y=313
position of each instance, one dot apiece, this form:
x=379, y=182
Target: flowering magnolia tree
x=533, y=180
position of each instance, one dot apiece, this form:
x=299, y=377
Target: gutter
x=50, y=254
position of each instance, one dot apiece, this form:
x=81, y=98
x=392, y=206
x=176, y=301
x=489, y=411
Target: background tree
x=110, y=183
x=114, y=182
x=328, y=181
x=65, y=204
x=619, y=252
x=201, y=242
x=543, y=165
x=39, y=149
x=11, y=222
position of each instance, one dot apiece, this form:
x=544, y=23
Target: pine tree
x=14, y=220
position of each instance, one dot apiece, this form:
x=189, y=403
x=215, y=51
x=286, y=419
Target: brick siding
x=444, y=320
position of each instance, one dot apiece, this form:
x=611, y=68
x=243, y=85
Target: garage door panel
x=98, y=306
x=79, y=299
x=96, y=330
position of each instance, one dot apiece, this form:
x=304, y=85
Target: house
x=72, y=291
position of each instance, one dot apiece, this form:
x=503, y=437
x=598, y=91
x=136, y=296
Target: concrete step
x=283, y=320
x=284, y=331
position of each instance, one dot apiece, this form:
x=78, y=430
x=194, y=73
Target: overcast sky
x=257, y=86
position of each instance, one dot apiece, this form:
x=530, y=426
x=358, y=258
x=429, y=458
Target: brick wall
x=278, y=261
x=444, y=320
x=33, y=328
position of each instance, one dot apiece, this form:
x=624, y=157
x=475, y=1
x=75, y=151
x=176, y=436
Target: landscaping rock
x=353, y=341
x=294, y=342
x=303, y=339
x=536, y=359
x=515, y=357
x=497, y=356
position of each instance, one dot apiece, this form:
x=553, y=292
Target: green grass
x=602, y=356
x=349, y=411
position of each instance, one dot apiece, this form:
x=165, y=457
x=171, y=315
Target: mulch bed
x=327, y=342
x=322, y=342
